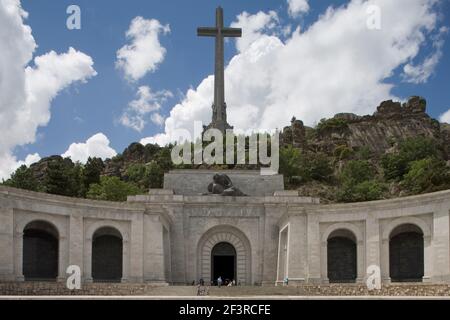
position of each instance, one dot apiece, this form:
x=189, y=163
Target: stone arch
x=423, y=252
x=60, y=225
x=406, y=254
x=342, y=226
x=107, y=255
x=120, y=231
x=40, y=254
x=237, y=239
x=346, y=238
x=404, y=221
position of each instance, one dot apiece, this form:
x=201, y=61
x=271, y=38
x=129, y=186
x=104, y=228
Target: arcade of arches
x=165, y=238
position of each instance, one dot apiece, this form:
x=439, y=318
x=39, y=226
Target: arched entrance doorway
x=107, y=255
x=40, y=251
x=223, y=262
x=241, y=250
x=342, y=257
x=406, y=254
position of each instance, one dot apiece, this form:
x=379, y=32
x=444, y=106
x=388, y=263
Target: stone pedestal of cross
x=219, y=118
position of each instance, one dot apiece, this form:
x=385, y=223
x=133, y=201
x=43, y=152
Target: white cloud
x=26, y=92
x=445, y=117
x=421, y=73
x=145, y=52
x=253, y=26
x=336, y=65
x=136, y=114
x=95, y=146
x=297, y=7
x=157, y=119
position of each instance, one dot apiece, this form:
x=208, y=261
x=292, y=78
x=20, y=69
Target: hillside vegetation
x=398, y=151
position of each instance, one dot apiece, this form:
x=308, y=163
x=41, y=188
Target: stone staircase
x=147, y=290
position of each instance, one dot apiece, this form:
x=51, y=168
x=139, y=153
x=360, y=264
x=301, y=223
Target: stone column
x=324, y=261
x=76, y=241
x=179, y=244
x=6, y=244
x=360, y=265
x=427, y=259
x=373, y=239
x=440, y=244
x=125, y=260
x=136, y=249
x=385, y=271
x=88, y=260
x=63, y=258
x=297, y=248
x=269, y=245
x=154, y=270
x=314, y=243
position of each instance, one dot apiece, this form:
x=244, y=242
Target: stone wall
x=195, y=182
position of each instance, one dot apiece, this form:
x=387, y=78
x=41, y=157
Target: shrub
x=112, y=189
x=427, y=175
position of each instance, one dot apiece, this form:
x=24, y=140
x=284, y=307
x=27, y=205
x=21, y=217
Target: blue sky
x=84, y=109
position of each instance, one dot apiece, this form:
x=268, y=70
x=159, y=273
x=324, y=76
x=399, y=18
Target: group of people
x=226, y=283
x=203, y=290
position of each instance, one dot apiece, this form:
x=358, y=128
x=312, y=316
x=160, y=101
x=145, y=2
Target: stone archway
x=40, y=251
x=233, y=237
x=341, y=257
x=418, y=241
x=223, y=262
x=406, y=254
x=107, y=255
x=342, y=239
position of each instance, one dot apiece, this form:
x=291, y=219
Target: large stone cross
x=219, y=119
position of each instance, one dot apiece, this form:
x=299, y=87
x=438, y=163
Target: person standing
x=219, y=282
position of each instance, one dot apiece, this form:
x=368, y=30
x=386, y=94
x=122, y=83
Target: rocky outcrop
x=393, y=121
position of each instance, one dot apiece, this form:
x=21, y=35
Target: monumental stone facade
x=175, y=237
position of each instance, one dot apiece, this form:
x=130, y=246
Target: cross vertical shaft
x=219, y=119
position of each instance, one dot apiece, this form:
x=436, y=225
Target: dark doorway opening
x=342, y=258
x=223, y=262
x=406, y=254
x=40, y=252
x=107, y=251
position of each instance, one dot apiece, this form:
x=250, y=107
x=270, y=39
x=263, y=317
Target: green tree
x=112, y=189
x=364, y=191
x=62, y=177
x=396, y=165
x=358, y=182
x=427, y=175
x=357, y=171
x=23, y=178
x=91, y=173
x=289, y=163
x=154, y=175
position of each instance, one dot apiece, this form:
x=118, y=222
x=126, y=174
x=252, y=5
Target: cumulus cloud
x=136, y=115
x=296, y=7
x=253, y=26
x=145, y=52
x=445, y=117
x=420, y=73
x=96, y=146
x=336, y=65
x=26, y=92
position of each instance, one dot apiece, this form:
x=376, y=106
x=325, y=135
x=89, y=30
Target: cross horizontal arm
x=232, y=32
x=207, y=32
